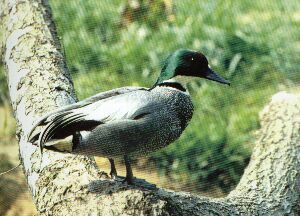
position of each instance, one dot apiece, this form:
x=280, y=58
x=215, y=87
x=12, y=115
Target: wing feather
x=60, y=123
x=52, y=116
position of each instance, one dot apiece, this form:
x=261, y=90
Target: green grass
x=255, y=44
x=3, y=86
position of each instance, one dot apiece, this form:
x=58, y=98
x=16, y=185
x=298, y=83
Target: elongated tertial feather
x=59, y=122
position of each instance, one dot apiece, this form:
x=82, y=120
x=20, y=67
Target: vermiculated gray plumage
x=132, y=122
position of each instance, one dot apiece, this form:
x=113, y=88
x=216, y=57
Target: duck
x=128, y=121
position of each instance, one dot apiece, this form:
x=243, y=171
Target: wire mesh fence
x=113, y=43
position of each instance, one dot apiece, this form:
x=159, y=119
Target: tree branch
x=65, y=184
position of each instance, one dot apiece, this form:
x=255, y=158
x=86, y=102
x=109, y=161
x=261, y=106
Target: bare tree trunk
x=65, y=184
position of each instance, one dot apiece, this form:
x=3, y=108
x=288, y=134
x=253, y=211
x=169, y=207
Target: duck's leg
x=129, y=174
x=113, y=170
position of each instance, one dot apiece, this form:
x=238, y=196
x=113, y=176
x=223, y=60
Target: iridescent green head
x=184, y=62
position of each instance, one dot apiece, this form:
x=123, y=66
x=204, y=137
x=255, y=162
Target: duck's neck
x=178, y=82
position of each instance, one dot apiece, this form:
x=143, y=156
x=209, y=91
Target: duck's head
x=187, y=63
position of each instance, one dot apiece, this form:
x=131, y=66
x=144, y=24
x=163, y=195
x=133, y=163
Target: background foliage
x=111, y=43
x=254, y=44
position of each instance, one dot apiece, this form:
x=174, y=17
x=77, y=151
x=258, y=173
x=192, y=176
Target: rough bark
x=65, y=184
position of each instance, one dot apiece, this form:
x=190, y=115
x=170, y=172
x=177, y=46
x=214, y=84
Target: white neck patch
x=182, y=80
